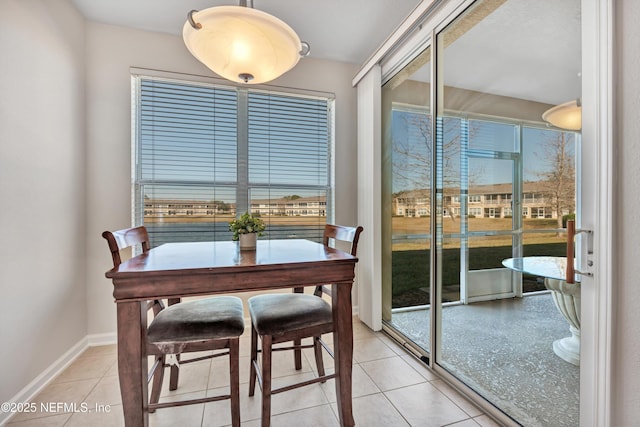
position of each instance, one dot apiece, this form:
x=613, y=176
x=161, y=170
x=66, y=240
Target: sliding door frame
x=595, y=195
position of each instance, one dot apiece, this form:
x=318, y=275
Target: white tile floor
x=390, y=388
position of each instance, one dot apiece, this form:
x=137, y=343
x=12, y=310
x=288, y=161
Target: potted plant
x=245, y=229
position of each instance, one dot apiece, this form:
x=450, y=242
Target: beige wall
x=43, y=310
x=471, y=102
x=65, y=169
x=626, y=285
x=111, y=51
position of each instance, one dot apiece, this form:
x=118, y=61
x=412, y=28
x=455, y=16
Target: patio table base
x=567, y=299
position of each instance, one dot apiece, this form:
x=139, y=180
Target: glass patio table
x=566, y=296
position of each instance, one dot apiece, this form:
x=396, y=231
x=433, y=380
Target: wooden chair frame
x=130, y=237
x=262, y=373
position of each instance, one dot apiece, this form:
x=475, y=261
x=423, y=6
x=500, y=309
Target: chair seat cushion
x=199, y=320
x=276, y=314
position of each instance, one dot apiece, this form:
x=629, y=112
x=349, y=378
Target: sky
x=411, y=151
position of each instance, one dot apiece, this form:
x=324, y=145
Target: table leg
x=343, y=349
x=132, y=362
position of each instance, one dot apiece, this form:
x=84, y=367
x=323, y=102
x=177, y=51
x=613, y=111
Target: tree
x=413, y=158
x=559, y=181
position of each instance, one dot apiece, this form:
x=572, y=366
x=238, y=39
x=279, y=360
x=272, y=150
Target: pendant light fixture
x=243, y=44
x=565, y=116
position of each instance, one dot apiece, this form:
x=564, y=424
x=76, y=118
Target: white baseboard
x=42, y=380
x=95, y=340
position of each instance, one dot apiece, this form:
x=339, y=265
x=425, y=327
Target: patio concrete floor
x=503, y=350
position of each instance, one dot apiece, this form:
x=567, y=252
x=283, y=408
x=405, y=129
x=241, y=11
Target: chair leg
x=254, y=360
x=297, y=354
x=317, y=350
x=234, y=372
x=266, y=380
x=158, y=377
x=173, y=378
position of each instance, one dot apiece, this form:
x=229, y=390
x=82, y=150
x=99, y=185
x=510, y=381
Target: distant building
x=301, y=206
x=484, y=201
x=181, y=207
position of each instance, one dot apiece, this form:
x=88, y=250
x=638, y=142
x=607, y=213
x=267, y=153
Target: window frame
x=242, y=184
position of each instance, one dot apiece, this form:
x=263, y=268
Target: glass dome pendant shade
x=565, y=116
x=242, y=44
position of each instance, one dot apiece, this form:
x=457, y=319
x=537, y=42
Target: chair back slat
x=344, y=234
x=339, y=233
x=125, y=238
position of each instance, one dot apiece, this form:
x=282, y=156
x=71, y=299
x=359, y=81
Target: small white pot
x=248, y=242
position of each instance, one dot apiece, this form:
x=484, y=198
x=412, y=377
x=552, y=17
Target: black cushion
x=275, y=314
x=193, y=321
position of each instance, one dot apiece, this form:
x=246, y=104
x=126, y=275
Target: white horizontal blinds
x=493, y=136
x=187, y=185
x=289, y=158
x=288, y=140
x=186, y=160
x=188, y=132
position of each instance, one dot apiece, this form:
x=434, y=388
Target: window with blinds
x=205, y=153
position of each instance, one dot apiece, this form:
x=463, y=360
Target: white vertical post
x=369, y=199
x=595, y=203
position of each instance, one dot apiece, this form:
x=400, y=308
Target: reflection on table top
x=544, y=266
x=221, y=255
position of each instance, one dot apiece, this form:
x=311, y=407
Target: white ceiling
x=533, y=46
x=526, y=49
x=339, y=30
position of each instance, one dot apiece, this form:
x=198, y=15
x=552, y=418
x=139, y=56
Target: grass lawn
x=411, y=269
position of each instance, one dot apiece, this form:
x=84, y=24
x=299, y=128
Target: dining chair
x=279, y=318
x=214, y=323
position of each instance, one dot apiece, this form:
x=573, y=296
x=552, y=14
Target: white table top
x=543, y=266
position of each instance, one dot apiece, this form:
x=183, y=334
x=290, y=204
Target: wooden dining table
x=178, y=270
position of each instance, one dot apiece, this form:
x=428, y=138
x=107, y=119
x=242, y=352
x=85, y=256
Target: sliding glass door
x=472, y=176
x=407, y=173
